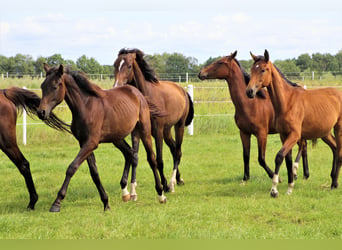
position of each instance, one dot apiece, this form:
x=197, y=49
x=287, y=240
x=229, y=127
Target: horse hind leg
x=331, y=142
x=23, y=166
x=176, y=151
x=135, y=146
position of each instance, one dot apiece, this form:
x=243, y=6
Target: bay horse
x=11, y=100
x=300, y=114
x=252, y=116
x=98, y=116
x=131, y=68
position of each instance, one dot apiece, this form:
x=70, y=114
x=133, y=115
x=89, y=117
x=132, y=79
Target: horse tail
x=191, y=111
x=29, y=101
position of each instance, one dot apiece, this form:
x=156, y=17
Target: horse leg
x=158, y=136
x=145, y=135
x=305, y=159
x=135, y=146
x=331, y=142
x=338, y=157
x=176, y=151
x=127, y=152
x=262, y=141
x=296, y=162
x=15, y=155
x=83, y=154
x=246, y=147
x=288, y=143
x=96, y=179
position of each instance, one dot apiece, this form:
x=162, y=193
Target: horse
x=11, y=101
x=252, y=116
x=299, y=114
x=98, y=116
x=130, y=68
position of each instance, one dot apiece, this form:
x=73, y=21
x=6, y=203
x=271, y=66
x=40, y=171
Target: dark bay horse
x=300, y=113
x=12, y=99
x=98, y=116
x=252, y=116
x=131, y=68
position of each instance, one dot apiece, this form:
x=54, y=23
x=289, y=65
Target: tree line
x=165, y=63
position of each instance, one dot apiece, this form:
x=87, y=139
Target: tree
x=304, y=62
x=55, y=60
x=90, y=66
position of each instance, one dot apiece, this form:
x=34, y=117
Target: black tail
x=190, y=113
x=29, y=101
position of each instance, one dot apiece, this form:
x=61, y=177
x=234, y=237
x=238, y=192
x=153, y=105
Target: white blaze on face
x=121, y=63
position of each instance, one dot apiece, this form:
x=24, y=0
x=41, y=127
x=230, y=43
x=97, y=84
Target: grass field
x=213, y=204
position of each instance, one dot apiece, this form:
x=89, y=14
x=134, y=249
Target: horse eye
x=263, y=70
x=129, y=66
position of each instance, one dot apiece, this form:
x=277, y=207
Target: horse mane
x=261, y=93
x=145, y=68
x=84, y=83
x=262, y=58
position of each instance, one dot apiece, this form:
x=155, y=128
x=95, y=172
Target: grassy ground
x=213, y=204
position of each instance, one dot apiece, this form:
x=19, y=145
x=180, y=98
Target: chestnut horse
x=98, y=116
x=10, y=100
x=131, y=68
x=252, y=117
x=300, y=113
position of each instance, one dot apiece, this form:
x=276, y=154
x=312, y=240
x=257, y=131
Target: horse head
x=53, y=90
x=261, y=74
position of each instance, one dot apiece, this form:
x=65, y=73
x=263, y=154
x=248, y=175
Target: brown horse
x=98, y=116
x=306, y=114
x=252, y=116
x=131, y=68
x=10, y=100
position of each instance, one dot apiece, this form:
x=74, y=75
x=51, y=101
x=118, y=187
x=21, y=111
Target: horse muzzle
x=41, y=114
x=250, y=92
x=202, y=76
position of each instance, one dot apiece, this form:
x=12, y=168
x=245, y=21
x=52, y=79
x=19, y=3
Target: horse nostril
x=41, y=114
x=249, y=93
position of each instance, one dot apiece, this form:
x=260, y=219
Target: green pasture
x=213, y=203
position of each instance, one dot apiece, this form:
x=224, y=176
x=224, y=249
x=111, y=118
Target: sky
x=194, y=28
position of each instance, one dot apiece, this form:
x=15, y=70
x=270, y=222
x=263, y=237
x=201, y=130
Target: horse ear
x=46, y=67
x=61, y=70
x=253, y=56
x=266, y=55
x=233, y=55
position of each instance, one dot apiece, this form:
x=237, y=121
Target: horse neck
x=279, y=91
x=237, y=88
x=139, y=78
x=74, y=97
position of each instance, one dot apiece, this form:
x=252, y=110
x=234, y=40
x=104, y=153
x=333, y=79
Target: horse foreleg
x=23, y=166
x=262, y=141
x=127, y=151
x=158, y=136
x=83, y=154
x=135, y=147
x=96, y=179
x=246, y=147
x=288, y=143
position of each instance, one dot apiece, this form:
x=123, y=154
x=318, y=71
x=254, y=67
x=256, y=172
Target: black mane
x=83, y=82
x=145, y=68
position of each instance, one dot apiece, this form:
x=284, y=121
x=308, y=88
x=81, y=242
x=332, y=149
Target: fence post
x=191, y=93
x=24, y=124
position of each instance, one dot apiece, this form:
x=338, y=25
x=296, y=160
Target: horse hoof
x=180, y=182
x=126, y=197
x=334, y=185
x=162, y=199
x=106, y=208
x=274, y=194
x=134, y=197
x=166, y=188
x=55, y=208
x=295, y=177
